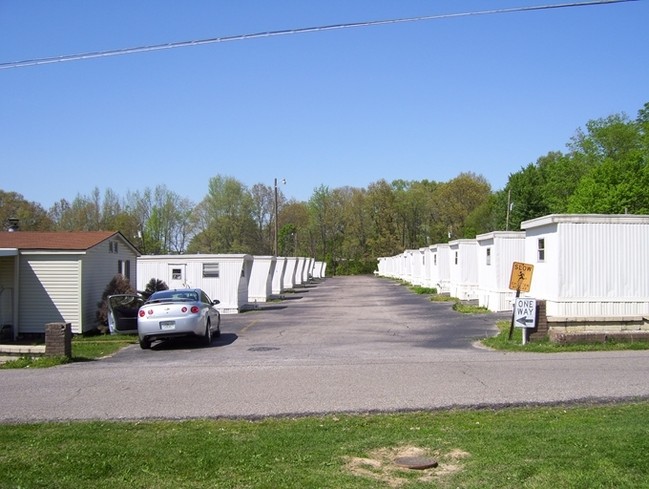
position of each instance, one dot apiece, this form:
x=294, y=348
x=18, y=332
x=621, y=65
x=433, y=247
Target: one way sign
x=524, y=312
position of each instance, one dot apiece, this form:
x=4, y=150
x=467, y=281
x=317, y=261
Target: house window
x=488, y=257
x=110, y=247
x=124, y=268
x=115, y=247
x=541, y=249
x=211, y=270
x=176, y=274
x=456, y=257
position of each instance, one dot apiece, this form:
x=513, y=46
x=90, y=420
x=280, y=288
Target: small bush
x=118, y=285
x=152, y=286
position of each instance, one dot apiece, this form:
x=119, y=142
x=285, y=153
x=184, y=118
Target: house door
x=177, y=276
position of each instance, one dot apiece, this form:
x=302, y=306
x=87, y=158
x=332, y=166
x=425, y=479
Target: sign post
x=521, y=279
x=525, y=315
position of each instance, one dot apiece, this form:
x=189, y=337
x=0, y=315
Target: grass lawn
x=502, y=342
x=547, y=447
x=84, y=348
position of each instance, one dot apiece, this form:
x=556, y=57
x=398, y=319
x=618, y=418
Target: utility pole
x=276, y=216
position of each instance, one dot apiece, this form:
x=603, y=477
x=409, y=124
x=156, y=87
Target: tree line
x=604, y=170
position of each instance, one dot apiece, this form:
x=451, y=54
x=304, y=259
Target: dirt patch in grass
x=380, y=465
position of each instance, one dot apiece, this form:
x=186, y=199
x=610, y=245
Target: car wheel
x=217, y=333
x=207, y=339
x=145, y=343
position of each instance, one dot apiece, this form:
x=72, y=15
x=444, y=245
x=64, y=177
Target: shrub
x=118, y=285
x=153, y=286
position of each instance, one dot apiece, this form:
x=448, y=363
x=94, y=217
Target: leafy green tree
x=31, y=216
x=383, y=236
x=229, y=226
x=455, y=201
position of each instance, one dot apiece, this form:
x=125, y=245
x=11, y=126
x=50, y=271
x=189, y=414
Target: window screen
x=211, y=270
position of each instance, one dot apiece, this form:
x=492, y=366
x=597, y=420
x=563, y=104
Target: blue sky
x=424, y=100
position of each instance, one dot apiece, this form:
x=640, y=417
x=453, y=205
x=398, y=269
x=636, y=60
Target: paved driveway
x=346, y=344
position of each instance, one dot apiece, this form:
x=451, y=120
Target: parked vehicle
x=122, y=313
x=178, y=312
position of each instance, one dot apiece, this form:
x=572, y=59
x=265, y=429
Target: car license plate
x=167, y=324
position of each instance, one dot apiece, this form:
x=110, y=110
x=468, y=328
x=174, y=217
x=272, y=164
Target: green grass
x=502, y=342
x=469, y=308
x=84, y=348
x=546, y=447
x=418, y=289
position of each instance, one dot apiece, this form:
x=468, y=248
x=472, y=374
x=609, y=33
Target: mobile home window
x=541, y=249
x=211, y=270
x=176, y=274
x=488, y=257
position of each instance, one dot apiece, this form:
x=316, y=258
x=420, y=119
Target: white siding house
x=260, y=286
x=589, y=265
x=497, y=251
x=463, y=260
x=59, y=277
x=222, y=277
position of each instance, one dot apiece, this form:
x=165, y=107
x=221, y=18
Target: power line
x=303, y=30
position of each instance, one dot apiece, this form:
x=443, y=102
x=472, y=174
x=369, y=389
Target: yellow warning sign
x=521, y=278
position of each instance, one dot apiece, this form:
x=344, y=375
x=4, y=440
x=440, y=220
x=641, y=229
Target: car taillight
x=141, y=313
x=195, y=309
x=184, y=309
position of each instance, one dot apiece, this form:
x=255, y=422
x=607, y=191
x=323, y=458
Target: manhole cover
x=417, y=463
x=263, y=348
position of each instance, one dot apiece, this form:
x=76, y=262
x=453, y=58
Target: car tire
x=207, y=339
x=145, y=343
x=217, y=333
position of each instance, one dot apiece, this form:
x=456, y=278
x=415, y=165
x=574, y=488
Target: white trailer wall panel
x=278, y=275
x=260, y=286
x=440, y=268
x=464, y=268
x=418, y=258
x=299, y=269
x=307, y=271
x=497, y=252
x=289, y=273
x=222, y=277
x=591, y=265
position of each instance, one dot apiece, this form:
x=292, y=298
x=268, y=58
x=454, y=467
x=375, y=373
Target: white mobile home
x=497, y=251
x=463, y=263
x=48, y=277
x=222, y=277
x=319, y=269
x=278, y=275
x=299, y=270
x=418, y=258
x=289, y=273
x=589, y=265
x=307, y=271
x=439, y=268
x=260, y=287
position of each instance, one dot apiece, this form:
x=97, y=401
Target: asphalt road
x=345, y=344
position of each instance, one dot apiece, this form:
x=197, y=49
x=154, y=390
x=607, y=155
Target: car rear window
x=175, y=296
